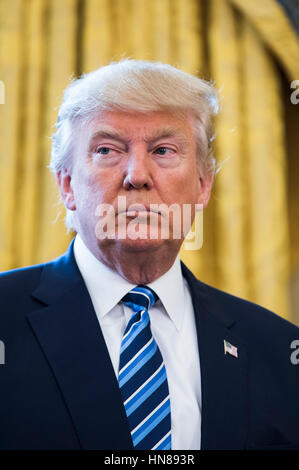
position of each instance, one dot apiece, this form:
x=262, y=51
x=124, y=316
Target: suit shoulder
x=248, y=312
x=19, y=279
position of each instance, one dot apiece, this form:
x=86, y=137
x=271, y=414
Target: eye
x=163, y=150
x=103, y=150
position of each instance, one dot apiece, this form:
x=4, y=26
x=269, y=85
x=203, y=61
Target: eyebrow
x=106, y=135
x=158, y=134
x=163, y=134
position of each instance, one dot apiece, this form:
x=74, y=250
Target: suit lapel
x=224, y=378
x=71, y=339
x=70, y=336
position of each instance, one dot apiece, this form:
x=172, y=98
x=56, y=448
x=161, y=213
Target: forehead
x=148, y=126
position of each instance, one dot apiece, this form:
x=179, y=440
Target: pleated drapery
x=240, y=45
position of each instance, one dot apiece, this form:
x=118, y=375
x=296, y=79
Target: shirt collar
x=99, y=279
x=171, y=292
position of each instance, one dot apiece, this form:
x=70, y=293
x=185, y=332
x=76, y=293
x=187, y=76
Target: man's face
x=144, y=158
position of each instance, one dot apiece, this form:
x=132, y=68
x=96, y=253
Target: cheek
x=94, y=189
x=183, y=185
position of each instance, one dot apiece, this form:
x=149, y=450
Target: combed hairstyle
x=134, y=86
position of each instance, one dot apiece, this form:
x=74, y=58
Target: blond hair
x=140, y=86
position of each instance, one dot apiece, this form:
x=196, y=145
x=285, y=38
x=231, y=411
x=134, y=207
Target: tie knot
x=142, y=296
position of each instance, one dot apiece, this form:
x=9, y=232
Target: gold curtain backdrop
x=250, y=51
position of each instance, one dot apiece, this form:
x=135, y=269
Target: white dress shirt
x=173, y=327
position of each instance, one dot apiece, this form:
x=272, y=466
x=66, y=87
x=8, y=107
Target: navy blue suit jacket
x=59, y=390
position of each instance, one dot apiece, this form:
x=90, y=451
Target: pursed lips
x=134, y=210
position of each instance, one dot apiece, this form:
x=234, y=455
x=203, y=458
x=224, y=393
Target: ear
x=205, y=185
x=64, y=180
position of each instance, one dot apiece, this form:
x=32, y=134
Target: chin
x=133, y=238
x=140, y=245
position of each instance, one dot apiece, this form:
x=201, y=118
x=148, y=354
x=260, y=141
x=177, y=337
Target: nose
x=138, y=171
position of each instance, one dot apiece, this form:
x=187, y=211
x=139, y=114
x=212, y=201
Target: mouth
x=137, y=213
x=135, y=210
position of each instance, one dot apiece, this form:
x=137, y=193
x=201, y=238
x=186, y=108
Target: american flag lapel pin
x=230, y=349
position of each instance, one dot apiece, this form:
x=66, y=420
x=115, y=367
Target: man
x=115, y=344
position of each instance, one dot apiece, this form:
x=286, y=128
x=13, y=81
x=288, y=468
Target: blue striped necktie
x=142, y=376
